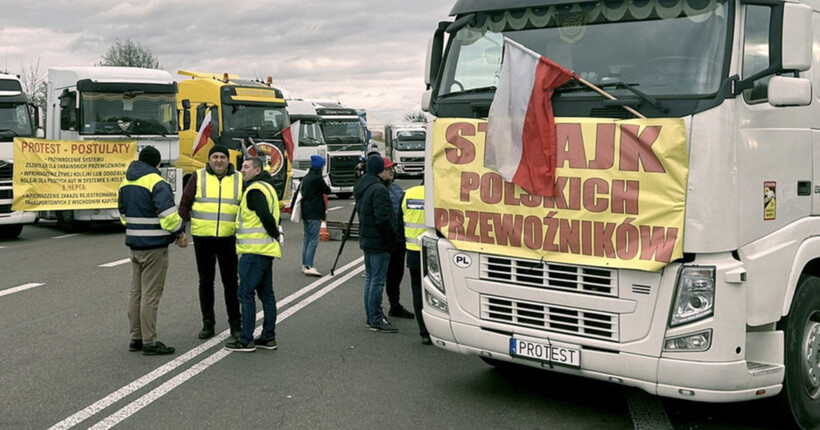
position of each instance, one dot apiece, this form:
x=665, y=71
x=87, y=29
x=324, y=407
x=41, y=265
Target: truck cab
x=346, y=140
x=404, y=144
x=112, y=103
x=18, y=118
x=311, y=140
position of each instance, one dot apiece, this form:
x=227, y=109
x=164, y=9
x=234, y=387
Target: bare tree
x=416, y=116
x=33, y=79
x=127, y=53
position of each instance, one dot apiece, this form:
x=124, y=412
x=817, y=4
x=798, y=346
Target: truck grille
x=412, y=159
x=583, y=323
x=6, y=175
x=551, y=276
x=301, y=164
x=343, y=170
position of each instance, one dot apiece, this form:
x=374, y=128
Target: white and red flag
x=291, y=136
x=521, y=141
x=204, y=134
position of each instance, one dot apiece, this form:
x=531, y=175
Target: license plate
x=554, y=354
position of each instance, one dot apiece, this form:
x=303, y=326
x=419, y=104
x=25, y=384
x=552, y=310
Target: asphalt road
x=64, y=360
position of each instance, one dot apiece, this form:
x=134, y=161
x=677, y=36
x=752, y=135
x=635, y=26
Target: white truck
x=16, y=115
x=311, y=139
x=404, y=144
x=346, y=142
x=735, y=316
x=113, y=103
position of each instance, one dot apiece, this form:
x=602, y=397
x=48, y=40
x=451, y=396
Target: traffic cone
x=324, y=235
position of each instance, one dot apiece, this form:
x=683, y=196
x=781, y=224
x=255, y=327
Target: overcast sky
x=368, y=54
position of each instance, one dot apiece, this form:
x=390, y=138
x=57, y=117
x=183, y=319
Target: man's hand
x=182, y=240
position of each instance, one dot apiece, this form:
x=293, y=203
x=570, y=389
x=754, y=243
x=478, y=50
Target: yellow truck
x=237, y=109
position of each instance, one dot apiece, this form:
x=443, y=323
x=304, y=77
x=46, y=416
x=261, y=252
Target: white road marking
x=146, y=379
x=178, y=380
x=65, y=236
x=1, y=247
x=334, y=208
x=19, y=288
x=115, y=263
x=646, y=410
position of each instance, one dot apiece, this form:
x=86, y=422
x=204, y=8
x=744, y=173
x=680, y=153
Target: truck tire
x=802, y=329
x=66, y=222
x=10, y=231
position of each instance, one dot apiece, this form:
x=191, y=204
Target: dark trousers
x=209, y=251
x=395, y=273
x=414, y=266
x=257, y=276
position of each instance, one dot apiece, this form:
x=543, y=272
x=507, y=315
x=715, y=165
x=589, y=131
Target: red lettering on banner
x=456, y=225
x=570, y=146
x=568, y=236
x=509, y=194
x=466, y=150
x=604, y=147
x=469, y=182
x=472, y=226
x=485, y=228
x=442, y=218
x=508, y=229
x=627, y=239
x=593, y=187
x=586, y=237
x=635, y=148
x=532, y=232
x=656, y=243
x=602, y=239
x=491, y=188
x=551, y=231
x=529, y=200
x=482, y=127
x=625, y=196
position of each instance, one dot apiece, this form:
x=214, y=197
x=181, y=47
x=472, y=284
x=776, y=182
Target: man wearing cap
x=147, y=209
x=211, y=202
x=395, y=269
x=313, y=191
x=377, y=238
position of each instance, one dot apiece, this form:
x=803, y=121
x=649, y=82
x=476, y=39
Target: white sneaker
x=312, y=272
x=304, y=269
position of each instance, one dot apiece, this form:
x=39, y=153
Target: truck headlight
x=432, y=267
x=694, y=296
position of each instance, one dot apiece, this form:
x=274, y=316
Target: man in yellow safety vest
x=257, y=243
x=413, y=209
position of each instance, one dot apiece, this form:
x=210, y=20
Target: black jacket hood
x=138, y=169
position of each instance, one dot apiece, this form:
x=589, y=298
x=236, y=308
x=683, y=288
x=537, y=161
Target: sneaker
x=399, y=311
x=157, y=348
x=311, y=271
x=304, y=269
x=135, y=345
x=425, y=340
x=207, y=332
x=383, y=326
x=236, y=330
x=239, y=346
x=265, y=344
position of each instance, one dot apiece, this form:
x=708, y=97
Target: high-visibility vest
x=413, y=208
x=216, y=204
x=251, y=237
x=145, y=228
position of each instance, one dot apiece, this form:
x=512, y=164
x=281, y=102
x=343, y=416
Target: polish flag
x=204, y=134
x=521, y=141
x=291, y=136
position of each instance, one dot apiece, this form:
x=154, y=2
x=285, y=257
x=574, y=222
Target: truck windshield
x=130, y=113
x=310, y=134
x=254, y=120
x=662, y=47
x=343, y=131
x=410, y=140
x=14, y=121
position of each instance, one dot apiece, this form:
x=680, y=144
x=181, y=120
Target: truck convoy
x=346, y=140
x=404, y=144
x=679, y=253
x=16, y=115
x=112, y=103
x=311, y=140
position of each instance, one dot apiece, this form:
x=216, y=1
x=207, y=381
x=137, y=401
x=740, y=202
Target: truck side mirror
x=434, y=52
x=186, y=115
x=68, y=110
x=796, y=47
x=214, y=123
x=789, y=91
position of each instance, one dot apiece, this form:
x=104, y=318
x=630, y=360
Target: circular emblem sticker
x=462, y=260
x=274, y=156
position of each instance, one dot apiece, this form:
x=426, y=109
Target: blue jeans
x=375, y=265
x=310, y=240
x=256, y=274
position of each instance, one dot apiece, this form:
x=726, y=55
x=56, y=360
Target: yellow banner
x=67, y=174
x=620, y=194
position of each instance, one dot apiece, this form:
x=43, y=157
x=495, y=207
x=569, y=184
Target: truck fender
x=809, y=250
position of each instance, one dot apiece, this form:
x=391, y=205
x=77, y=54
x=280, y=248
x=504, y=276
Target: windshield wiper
x=579, y=87
x=8, y=130
x=491, y=88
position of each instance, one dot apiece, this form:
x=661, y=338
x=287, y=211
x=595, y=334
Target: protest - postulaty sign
x=619, y=201
x=64, y=174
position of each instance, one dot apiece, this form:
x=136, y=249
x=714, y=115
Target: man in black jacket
x=377, y=238
x=313, y=191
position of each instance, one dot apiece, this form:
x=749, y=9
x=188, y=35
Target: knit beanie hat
x=150, y=155
x=375, y=164
x=218, y=148
x=316, y=162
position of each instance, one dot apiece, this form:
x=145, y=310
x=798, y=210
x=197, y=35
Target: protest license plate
x=555, y=354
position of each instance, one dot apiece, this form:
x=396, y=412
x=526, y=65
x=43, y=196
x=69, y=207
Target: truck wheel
x=802, y=328
x=344, y=196
x=10, y=231
x=66, y=222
